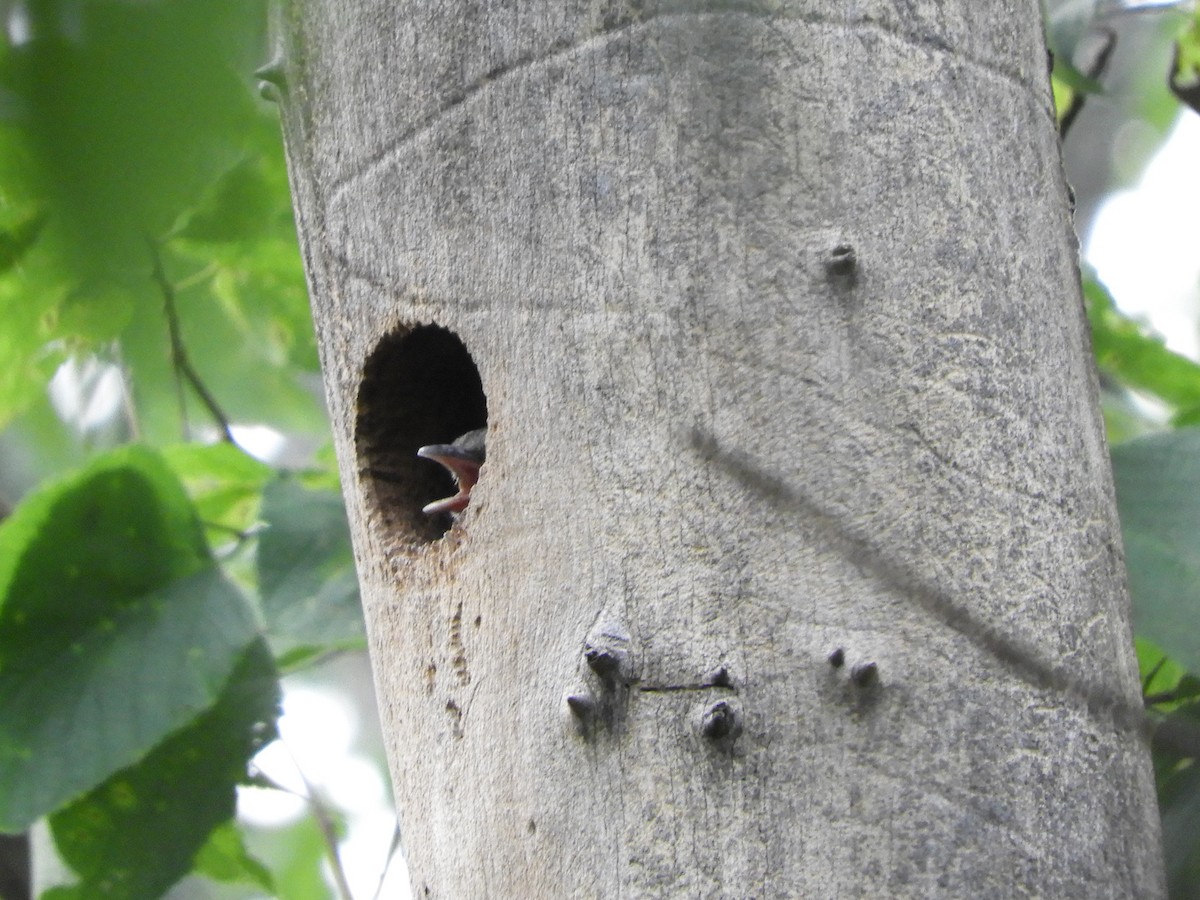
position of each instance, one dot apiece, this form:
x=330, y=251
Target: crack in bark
x=460, y=97
x=677, y=688
x=458, y=650
x=566, y=46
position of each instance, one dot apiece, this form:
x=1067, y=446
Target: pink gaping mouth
x=463, y=459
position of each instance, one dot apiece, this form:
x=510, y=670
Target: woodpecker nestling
x=463, y=458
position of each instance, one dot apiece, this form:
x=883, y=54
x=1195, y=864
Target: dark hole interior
x=420, y=386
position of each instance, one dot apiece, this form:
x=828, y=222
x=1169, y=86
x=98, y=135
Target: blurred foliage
x=90, y=624
x=150, y=595
x=1133, y=356
x=1151, y=401
x=1187, y=55
x=148, y=257
x=1185, y=79
x=131, y=130
x=1156, y=477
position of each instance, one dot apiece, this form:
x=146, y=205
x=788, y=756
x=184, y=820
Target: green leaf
x=1136, y=357
x=128, y=112
x=223, y=481
x=16, y=239
x=115, y=629
x=1126, y=416
x=238, y=207
x=1152, y=661
x=122, y=525
x=64, y=892
x=324, y=474
x=125, y=121
x=1063, y=97
x=239, y=327
x=306, y=566
x=225, y=858
x=1066, y=73
x=1187, y=52
x=1185, y=75
x=27, y=304
x=1156, y=480
x=90, y=317
x=139, y=832
x=298, y=853
x=302, y=656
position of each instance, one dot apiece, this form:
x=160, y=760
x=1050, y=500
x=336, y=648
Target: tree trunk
x=794, y=568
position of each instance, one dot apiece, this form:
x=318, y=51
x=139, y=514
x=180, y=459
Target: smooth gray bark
x=776, y=311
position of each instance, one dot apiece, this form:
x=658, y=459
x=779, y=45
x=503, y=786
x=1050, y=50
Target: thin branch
x=1159, y=698
x=179, y=358
x=324, y=820
x=329, y=835
x=1146, y=682
x=239, y=536
x=202, y=275
x=1093, y=71
x=128, y=410
x=387, y=864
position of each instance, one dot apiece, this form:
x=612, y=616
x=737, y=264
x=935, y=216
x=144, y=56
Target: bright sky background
x=1145, y=242
x=320, y=749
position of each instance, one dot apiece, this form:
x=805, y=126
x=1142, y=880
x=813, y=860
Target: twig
x=1150, y=678
x=387, y=864
x=179, y=358
x=202, y=275
x=1093, y=71
x=329, y=835
x=324, y=821
x=1161, y=697
x=127, y=407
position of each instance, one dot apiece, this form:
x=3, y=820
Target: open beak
x=463, y=465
